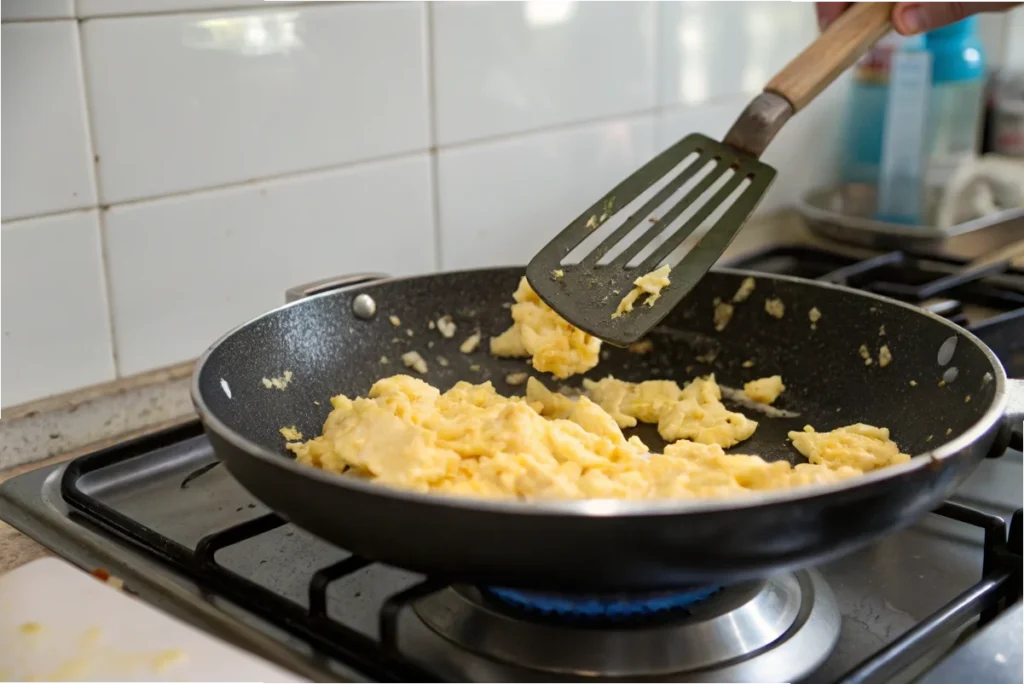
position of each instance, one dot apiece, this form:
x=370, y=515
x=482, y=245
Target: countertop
x=61, y=428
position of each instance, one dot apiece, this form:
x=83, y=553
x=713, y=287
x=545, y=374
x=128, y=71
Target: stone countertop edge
x=63, y=427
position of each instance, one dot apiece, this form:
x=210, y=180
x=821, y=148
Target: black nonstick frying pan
x=945, y=398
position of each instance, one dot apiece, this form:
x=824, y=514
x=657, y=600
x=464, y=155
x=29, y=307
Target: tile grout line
x=373, y=160
x=108, y=290
x=50, y=214
x=435, y=186
x=432, y=151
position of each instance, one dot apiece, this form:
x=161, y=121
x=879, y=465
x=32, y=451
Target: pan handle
x=1014, y=417
x=298, y=292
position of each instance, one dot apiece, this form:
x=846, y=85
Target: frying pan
x=945, y=398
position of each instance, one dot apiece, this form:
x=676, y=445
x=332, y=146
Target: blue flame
x=601, y=606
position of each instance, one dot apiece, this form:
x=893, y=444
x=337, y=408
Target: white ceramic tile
x=184, y=270
x=47, y=160
x=805, y=153
x=502, y=201
x=56, y=325
x=711, y=49
x=504, y=67
x=19, y=10
x=188, y=101
x=99, y=8
x=713, y=119
x=1013, y=56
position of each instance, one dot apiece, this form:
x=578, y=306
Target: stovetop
x=163, y=515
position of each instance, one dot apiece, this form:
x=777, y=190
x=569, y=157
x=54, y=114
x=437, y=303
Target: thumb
x=910, y=18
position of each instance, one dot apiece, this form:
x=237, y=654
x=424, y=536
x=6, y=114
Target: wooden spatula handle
x=839, y=46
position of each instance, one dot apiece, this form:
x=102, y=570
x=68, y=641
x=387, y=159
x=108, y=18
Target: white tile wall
x=223, y=150
x=184, y=270
x=24, y=10
x=56, y=330
x=187, y=101
x=501, y=201
x=710, y=50
x=105, y=8
x=515, y=66
x=47, y=158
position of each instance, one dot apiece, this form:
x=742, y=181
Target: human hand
x=909, y=18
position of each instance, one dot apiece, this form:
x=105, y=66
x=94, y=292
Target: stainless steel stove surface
x=163, y=515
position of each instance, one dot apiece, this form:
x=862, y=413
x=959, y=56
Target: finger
x=910, y=18
x=828, y=12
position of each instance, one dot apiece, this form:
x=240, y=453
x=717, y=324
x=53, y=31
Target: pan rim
x=615, y=508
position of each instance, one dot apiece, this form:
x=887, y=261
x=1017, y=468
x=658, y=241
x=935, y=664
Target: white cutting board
x=58, y=623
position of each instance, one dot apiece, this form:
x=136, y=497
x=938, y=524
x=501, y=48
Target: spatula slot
x=656, y=215
x=683, y=218
x=727, y=191
x=610, y=230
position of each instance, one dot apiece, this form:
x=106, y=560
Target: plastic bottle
x=901, y=196
x=866, y=113
x=956, y=103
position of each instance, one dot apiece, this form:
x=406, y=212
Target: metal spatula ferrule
x=703, y=189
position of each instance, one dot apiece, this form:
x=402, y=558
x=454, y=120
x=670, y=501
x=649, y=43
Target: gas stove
x=927, y=603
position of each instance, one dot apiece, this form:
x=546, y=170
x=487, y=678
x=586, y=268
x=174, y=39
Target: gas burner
x=600, y=607
x=777, y=630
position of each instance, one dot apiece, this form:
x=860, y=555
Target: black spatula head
x=698, y=189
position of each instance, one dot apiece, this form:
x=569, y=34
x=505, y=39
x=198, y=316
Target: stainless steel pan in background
x=332, y=342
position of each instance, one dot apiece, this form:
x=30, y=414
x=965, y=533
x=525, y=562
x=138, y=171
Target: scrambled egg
x=695, y=412
x=650, y=284
x=555, y=345
x=280, y=382
x=290, y=433
x=746, y=289
x=722, y=316
x=764, y=390
x=413, y=360
x=471, y=441
x=859, y=446
x=775, y=308
x=884, y=356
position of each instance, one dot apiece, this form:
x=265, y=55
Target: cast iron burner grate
x=600, y=607
x=382, y=659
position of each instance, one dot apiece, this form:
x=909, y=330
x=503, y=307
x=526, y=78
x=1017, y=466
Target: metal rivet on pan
x=946, y=351
x=364, y=307
x=950, y=375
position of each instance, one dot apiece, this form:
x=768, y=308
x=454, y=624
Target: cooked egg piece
x=291, y=433
x=745, y=290
x=722, y=315
x=415, y=361
x=764, y=390
x=860, y=446
x=695, y=412
x=554, y=345
x=470, y=344
x=650, y=284
x=775, y=308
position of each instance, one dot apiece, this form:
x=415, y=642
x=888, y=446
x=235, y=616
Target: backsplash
x=170, y=167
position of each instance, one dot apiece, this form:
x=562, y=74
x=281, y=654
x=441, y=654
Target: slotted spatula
x=728, y=174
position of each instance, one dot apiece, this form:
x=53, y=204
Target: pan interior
x=931, y=391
